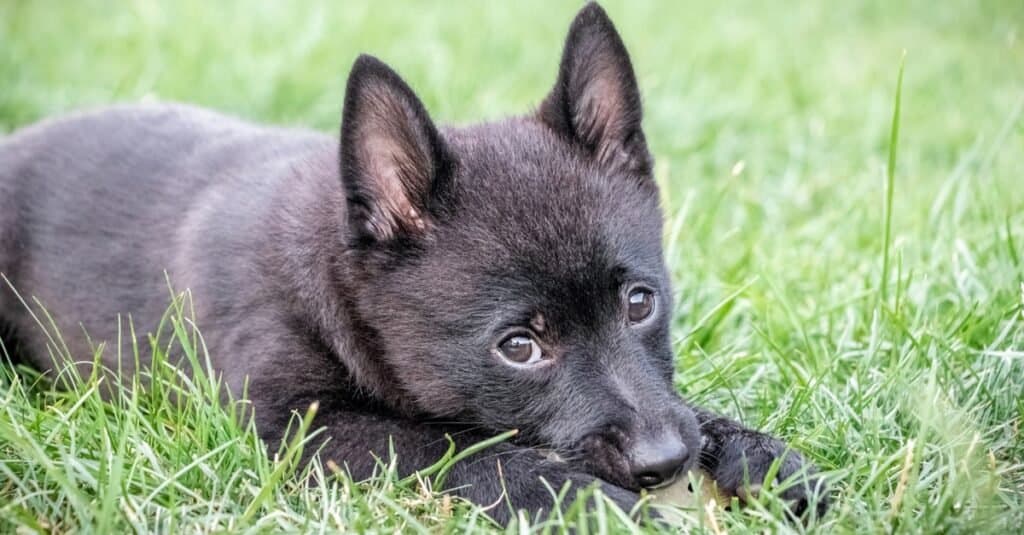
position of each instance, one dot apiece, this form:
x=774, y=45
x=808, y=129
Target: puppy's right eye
x=520, y=348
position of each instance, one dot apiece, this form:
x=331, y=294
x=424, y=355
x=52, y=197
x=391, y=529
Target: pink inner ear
x=599, y=114
x=385, y=165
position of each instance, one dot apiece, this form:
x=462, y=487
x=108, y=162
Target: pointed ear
x=393, y=161
x=596, y=102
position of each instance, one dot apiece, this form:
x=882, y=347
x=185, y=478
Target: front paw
x=741, y=464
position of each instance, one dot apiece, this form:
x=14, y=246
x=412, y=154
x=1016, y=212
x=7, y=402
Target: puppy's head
x=512, y=272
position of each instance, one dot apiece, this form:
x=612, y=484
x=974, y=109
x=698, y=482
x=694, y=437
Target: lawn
x=886, y=343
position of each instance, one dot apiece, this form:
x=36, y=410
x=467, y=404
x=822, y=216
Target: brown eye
x=520, y=349
x=639, y=304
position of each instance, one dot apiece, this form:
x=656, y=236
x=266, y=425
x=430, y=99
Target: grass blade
x=890, y=173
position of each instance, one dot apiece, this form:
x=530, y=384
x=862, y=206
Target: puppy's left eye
x=639, y=304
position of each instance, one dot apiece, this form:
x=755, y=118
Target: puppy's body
x=399, y=281
x=98, y=199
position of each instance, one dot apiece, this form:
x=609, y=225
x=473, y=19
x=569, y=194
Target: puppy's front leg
x=505, y=477
x=738, y=458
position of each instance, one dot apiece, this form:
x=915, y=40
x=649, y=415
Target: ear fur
x=595, y=101
x=393, y=160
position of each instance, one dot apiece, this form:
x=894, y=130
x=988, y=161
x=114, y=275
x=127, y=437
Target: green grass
x=865, y=303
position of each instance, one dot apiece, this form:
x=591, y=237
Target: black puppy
x=414, y=281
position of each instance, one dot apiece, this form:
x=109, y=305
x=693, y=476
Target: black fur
x=377, y=276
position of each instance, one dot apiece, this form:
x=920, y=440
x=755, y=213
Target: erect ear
x=393, y=161
x=595, y=101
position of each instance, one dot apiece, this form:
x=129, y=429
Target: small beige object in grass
x=687, y=490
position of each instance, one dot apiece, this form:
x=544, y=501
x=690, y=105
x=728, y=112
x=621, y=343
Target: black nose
x=657, y=462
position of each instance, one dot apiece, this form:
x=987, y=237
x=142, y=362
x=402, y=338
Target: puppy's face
x=513, y=273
